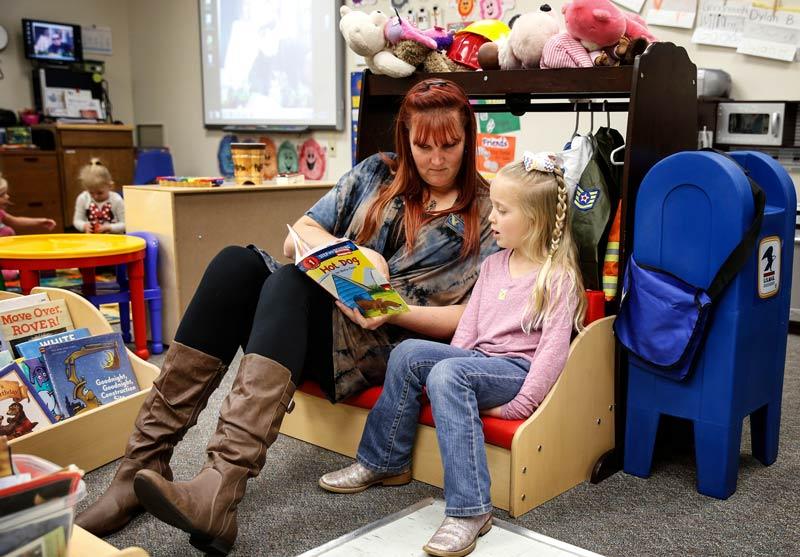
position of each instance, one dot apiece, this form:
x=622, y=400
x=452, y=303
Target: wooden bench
x=530, y=461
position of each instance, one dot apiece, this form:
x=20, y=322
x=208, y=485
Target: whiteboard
x=272, y=64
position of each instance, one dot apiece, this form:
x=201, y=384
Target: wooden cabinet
x=193, y=224
x=79, y=144
x=34, y=180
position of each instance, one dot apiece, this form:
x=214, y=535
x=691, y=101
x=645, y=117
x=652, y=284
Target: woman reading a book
x=419, y=214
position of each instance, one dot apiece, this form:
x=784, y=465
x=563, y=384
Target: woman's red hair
x=431, y=104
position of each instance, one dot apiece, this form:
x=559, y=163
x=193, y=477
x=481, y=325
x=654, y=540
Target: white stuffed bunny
x=364, y=34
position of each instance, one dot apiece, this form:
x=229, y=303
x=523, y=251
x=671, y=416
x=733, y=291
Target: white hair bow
x=543, y=162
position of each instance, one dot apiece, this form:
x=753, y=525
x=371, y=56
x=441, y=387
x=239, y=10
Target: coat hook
x=577, y=120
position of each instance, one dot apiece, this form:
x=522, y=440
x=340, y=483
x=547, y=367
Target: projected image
x=265, y=58
x=53, y=41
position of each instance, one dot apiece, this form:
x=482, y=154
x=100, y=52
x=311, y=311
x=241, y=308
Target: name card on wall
x=672, y=13
x=721, y=22
x=771, y=34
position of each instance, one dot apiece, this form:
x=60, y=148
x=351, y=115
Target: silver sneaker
x=457, y=536
x=357, y=478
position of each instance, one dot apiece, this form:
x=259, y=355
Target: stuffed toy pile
x=596, y=33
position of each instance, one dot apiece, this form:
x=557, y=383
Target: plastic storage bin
x=24, y=527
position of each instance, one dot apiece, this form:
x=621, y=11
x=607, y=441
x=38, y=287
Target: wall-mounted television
x=49, y=41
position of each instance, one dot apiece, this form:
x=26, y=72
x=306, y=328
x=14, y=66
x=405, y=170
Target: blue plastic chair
x=691, y=211
x=152, y=294
x=152, y=163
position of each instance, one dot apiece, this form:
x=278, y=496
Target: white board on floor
x=404, y=533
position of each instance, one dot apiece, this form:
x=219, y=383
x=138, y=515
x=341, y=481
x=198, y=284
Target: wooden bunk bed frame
x=577, y=434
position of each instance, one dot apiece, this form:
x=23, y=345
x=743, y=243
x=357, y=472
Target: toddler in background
x=7, y=221
x=98, y=209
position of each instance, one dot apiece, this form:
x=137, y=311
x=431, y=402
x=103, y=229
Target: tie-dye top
x=429, y=275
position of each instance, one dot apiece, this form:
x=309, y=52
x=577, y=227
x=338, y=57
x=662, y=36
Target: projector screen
x=272, y=64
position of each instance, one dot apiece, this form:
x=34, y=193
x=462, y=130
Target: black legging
x=283, y=315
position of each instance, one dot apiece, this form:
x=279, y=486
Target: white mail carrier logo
x=769, y=266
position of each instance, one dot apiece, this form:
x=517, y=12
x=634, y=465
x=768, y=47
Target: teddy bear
x=364, y=35
x=522, y=48
x=420, y=48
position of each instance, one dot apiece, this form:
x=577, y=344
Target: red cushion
x=496, y=431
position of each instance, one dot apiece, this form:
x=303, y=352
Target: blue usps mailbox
x=692, y=210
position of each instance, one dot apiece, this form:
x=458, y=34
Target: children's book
x=18, y=303
x=5, y=358
x=344, y=271
x=33, y=348
x=42, y=319
x=33, y=366
x=35, y=372
x=21, y=409
x=88, y=372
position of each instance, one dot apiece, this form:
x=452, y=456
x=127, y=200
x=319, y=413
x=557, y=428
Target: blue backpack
x=662, y=319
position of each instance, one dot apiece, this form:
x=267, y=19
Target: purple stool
x=152, y=294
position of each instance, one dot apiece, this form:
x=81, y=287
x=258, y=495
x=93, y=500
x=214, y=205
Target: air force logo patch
x=585, y=198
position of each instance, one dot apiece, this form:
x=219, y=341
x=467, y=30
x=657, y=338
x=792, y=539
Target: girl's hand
x=104, y=228
x=495, y=412
x=377, y=259
x=87, y=228
x=48, y=224
x=355, y=316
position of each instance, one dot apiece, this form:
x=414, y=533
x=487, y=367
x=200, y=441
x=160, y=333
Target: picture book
x=18, y=303
x=42, y=319
x=21, y=409
x=88, y=372
x=38, y=378
x=33, y=348
x=344, y=271
x=5, y=358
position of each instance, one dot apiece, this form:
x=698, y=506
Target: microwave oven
x=770, y=124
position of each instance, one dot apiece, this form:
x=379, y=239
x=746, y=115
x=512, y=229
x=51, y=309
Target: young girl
x=510, y=346
x=98, y=209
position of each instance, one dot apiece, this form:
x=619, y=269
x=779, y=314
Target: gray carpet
x=285, y=513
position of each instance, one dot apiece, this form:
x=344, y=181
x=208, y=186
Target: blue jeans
x=459, y=383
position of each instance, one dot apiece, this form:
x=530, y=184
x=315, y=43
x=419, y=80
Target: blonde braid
x=561, y=213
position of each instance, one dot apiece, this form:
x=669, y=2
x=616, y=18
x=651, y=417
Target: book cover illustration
x=21, y=409
x=344, y=271
x=35, y=372
x=88, y=372
x=18, y=303
x=27, y=323
x=33, y=348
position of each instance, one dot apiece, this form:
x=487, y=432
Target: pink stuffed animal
x=636, y=27
x=595, y=23
x=564, y=51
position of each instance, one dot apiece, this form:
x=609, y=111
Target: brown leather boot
x=249, y=422
x=179, y=394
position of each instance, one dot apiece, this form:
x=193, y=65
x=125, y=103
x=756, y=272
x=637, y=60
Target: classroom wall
x=165, y=64
x=167, y=88
x=16, y=91
x=155, y=76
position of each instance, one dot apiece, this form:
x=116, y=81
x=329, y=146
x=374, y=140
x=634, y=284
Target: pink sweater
x=492, y=324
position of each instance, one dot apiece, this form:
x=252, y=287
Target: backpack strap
x=737, y=258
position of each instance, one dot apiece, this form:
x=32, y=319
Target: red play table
x=39, y=252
